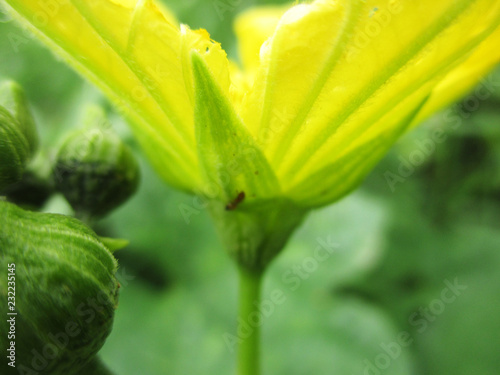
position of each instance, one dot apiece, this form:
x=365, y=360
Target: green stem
x=248, y=328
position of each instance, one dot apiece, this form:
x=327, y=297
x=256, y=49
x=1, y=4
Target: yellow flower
x=326, y=88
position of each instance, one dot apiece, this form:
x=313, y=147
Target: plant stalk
x=249, y=322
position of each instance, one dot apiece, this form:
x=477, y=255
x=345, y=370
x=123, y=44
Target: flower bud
x=31, y=192
x=60, y=289
x=36, y=185
x=95, y=171
x=13, y=99
x=14, y=150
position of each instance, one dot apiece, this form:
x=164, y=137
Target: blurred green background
x=412, y=286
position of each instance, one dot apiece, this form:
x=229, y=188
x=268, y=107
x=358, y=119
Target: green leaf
x=228, y=154
x=114, y=244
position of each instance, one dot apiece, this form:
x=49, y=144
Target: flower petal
x=334, y=69
x=340, y=177
x=464, y=77
x=252, y=29
x=141, y=61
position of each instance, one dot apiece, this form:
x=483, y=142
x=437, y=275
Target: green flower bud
x=14, y=150
x=62, y=288
x=95, y=171
x=35, y=186
x=31, y=192
x=13, y=99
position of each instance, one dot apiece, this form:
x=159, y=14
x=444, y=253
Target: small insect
x=232, y=205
